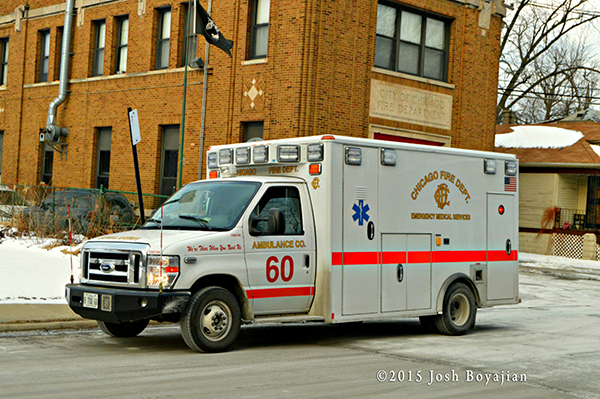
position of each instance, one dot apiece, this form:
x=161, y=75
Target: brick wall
x=315, y=80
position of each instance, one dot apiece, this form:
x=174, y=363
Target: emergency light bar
x=288, y=153
x=388, y=157
x=260, y=154
x=242, y=156
x=489, y=166
x=211, y=158
x=510, y=168
x=314, y=152
x=353, y=156
x=225, y=156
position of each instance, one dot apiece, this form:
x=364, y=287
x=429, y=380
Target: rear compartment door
x=503, y=266
x=360, y=262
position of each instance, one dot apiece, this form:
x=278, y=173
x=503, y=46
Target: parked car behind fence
x=89, y=208
x=11, y=203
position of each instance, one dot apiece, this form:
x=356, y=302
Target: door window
x=287, y=200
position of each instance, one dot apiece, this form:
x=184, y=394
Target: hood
x=152, y=237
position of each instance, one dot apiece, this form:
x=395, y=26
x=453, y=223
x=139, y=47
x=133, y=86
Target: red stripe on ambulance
x=372, y=258
x=280, y=292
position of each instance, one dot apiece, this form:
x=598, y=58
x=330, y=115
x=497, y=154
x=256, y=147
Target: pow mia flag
x=206, y=27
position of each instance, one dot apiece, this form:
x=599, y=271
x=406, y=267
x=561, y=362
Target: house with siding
x=559, y=185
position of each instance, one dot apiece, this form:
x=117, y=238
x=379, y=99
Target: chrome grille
x=113, y=265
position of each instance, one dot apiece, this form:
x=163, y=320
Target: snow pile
x=559, y=266
x=33, y=274
x=538, y=137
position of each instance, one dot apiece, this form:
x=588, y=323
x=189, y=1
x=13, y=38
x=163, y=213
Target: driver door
x=281, y=262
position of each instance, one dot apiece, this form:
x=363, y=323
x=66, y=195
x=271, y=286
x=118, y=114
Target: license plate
x=90, y=300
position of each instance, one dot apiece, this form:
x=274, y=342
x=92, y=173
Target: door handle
x=400, y=273
x=508, y=247
x=306, y=261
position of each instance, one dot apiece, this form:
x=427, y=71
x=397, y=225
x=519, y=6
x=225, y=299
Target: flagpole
x=204, y=88
x=183, y=106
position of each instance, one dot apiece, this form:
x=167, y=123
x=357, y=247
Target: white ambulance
x=325, y=229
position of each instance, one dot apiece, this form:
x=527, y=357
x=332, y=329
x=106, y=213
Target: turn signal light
x=213, y=174
x=314, y=168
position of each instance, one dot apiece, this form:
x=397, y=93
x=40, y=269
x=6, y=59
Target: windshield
x=205, y=206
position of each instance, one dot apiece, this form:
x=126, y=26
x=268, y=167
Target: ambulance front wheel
x=124, y=330
x=211, y=320
x=459, y=311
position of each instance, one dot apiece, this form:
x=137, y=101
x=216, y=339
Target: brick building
x=412, y=70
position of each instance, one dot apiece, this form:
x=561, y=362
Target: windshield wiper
x=198, y=219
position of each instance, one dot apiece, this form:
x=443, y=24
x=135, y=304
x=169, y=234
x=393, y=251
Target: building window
x=103, y=157
x=412, y=42
x=253, y=130
x=190, y=43
x=122, y=41
x=169, y=159
x=44, y=55
x=3, y=61
x=164, y=38
x=259, y=30
x=98, y=63
x=47, y=164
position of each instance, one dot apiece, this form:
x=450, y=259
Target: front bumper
x=114, y=305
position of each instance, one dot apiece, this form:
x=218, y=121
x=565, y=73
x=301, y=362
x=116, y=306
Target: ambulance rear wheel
x=428, y=323
x=459, y=311
x=211, y=320
x=124, y=330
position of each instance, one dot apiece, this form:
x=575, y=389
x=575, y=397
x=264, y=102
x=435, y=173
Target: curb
x=48, y=325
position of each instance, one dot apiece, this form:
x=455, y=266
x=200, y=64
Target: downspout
x=53, y=131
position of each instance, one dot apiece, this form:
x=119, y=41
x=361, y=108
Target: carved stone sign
x=406, y=104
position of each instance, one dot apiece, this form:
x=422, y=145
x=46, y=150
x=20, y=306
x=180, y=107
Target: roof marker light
x=314, y=169
x=328, y=137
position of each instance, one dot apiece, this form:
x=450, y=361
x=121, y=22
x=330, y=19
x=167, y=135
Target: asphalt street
x=549, y=344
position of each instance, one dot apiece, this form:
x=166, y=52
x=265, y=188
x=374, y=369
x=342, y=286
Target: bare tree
x=542, y=69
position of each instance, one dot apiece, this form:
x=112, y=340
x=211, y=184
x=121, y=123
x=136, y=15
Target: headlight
x=165, y=273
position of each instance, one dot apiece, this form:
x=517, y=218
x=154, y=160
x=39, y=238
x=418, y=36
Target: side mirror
x=272, y=224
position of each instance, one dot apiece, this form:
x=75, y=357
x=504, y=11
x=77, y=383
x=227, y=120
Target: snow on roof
x=538, y=137
x=596, y=148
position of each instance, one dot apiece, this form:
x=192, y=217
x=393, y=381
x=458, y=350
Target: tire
x=428, y=323
x=459, y=311
x=124, y=330
x=211, y=320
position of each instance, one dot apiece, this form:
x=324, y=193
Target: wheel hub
x=215, y=320
x=459, y=309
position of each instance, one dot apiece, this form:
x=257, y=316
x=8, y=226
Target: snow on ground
x=32, y=274
x=538, y=137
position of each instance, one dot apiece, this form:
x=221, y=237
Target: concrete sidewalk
x=22, y=317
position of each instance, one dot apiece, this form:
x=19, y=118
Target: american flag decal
x=510, y=184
